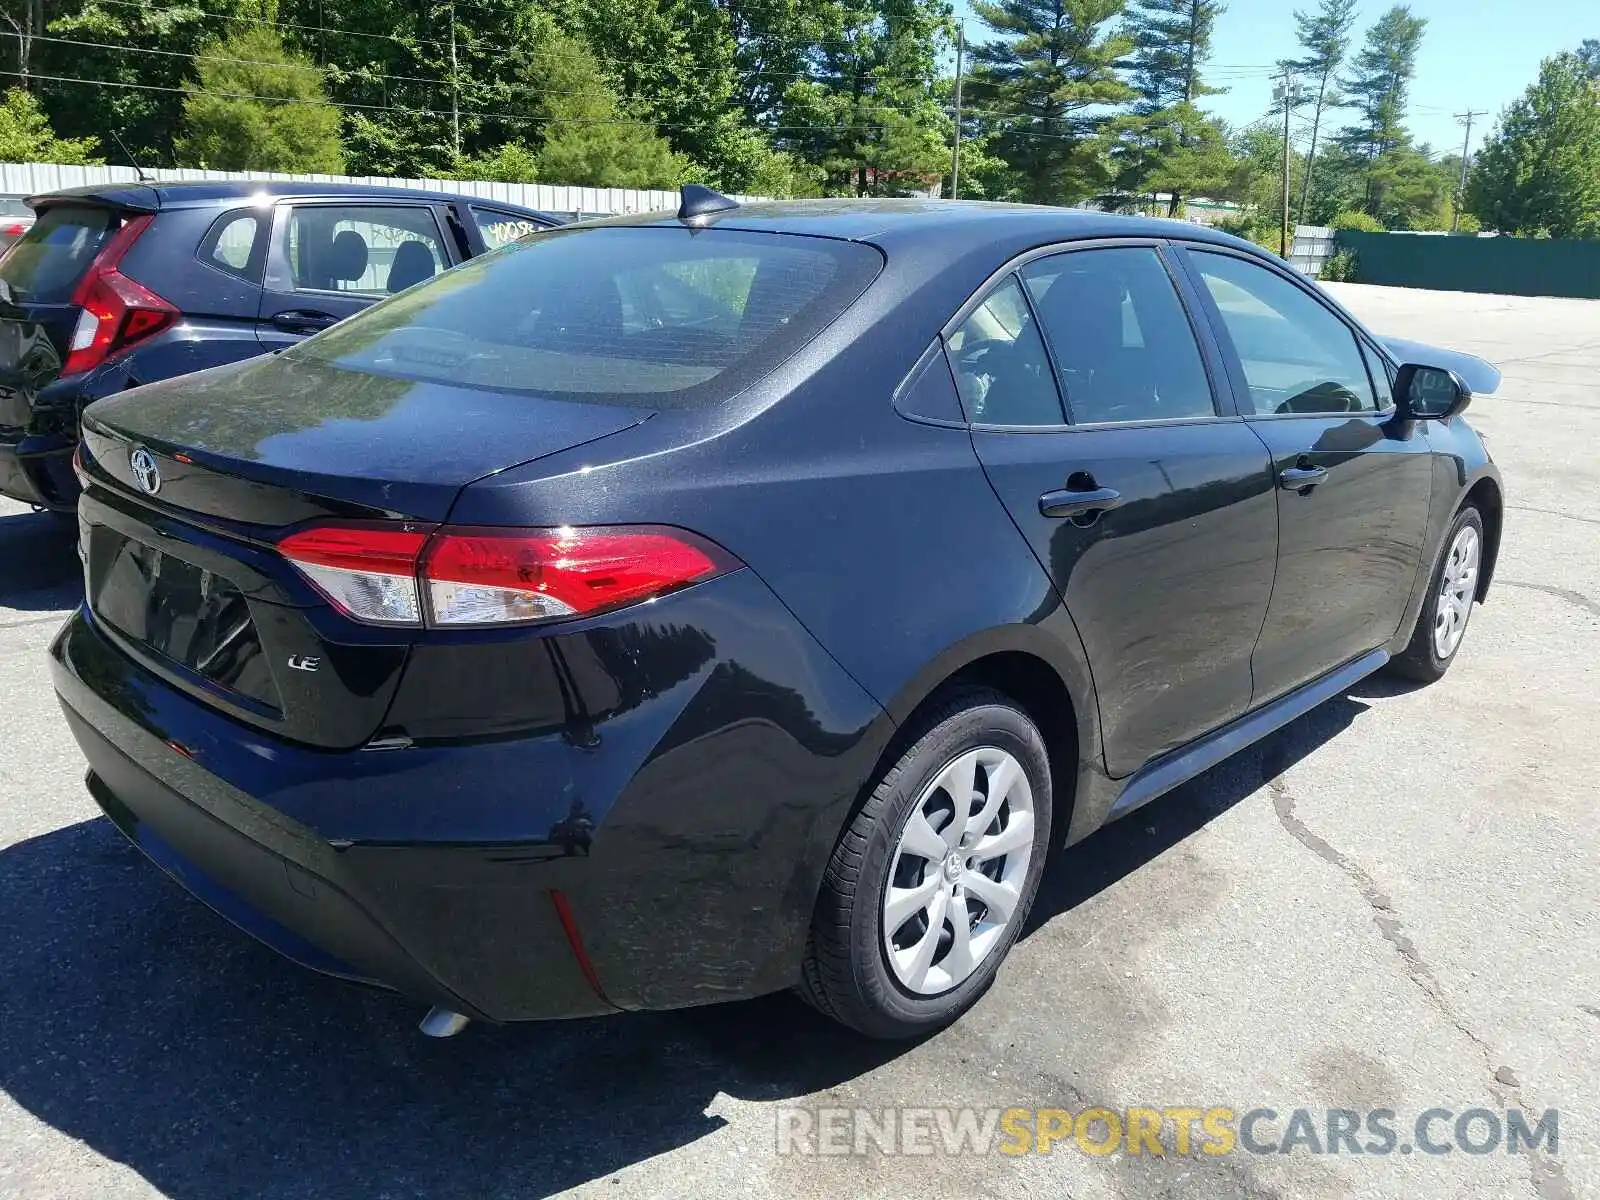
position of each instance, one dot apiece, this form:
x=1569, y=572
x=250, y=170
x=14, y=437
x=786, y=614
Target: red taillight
x=450, y=578
x=14, y=230
x=115, y=311
x=369, y=572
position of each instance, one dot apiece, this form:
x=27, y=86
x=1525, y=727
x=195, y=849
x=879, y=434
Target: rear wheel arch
x=1024, y=663
x=1485, y=495
x=1034, y=670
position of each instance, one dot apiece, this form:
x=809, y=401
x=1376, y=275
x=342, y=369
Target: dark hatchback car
x=123, y=284
x=672, y=610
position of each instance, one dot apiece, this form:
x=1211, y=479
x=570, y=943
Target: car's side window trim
x=1222, y=395
x=1230, y=353
x=279, y=278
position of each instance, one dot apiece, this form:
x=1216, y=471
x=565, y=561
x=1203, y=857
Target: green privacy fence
x=1504, y=265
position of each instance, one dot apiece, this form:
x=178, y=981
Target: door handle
x=1301, y=479
x=303, y=320
x=1079, y=502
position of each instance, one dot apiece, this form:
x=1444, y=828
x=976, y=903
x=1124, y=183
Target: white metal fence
x=1313, y=245
x=30, y=179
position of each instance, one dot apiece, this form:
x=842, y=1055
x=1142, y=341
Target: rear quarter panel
x=879, y=533
x=219, y=308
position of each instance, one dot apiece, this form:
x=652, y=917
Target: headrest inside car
x=347, y=257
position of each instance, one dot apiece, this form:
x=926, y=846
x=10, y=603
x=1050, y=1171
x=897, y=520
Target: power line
x=247, y=62
x=345, y=73
x=422, y=112
x=444, y=45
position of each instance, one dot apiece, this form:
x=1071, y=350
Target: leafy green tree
x=1357, y=221
x=259, y=108
x=1378, y=87
x=26, y=136
x=589, y=139
x=390, y=63
x=144, y=48
x=672, y=63
x=1171, y=43
x=510, y=163
x=1325, y=37
x=781, y=175
x=1257, y=179
x=1040, y=90
x=1539, y=172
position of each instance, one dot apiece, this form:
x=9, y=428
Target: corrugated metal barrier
x=30, y=179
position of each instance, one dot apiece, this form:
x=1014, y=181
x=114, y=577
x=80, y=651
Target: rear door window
x=670, y=317
x=1120, y=336
x=363, y=250
x=45, y=264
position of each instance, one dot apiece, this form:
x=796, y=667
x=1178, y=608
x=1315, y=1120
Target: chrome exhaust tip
x=442, y=1023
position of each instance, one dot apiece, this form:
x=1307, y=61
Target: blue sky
x=1474, y=55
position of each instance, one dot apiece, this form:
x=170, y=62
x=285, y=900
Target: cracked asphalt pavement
x=1393, y=903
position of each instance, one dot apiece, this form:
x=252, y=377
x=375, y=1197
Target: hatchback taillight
x=450, y=577
x=114, y=311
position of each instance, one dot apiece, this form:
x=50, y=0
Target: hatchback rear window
x=48, y=260
x=660, y=316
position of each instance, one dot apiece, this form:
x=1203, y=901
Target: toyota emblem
x=145, y=473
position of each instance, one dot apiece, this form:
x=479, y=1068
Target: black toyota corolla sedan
x=686, y=607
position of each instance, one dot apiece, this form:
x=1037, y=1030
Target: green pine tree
x=1171, y=43
x=589, y=139
x=1589, y=57
x=258, y=107
x=1039, y=91
x=1325, y=37
x=1378, y=88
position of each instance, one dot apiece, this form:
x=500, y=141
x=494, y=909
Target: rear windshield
x=672, y=318
x=45, y=264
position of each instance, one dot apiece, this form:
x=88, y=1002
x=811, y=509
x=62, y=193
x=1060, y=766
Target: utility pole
x=1466, y=145
x=455, y=86
x=1287, y=87
x=955, y=149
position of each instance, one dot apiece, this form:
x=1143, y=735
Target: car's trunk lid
x=274, y=441
x=186, y=577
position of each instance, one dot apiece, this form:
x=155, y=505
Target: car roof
x=899, y=224
x=197, y=193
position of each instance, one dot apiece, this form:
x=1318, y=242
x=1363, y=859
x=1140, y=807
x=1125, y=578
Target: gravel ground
x=1391, y=904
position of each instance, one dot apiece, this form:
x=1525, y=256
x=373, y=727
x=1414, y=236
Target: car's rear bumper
x=38, y=470
x=667, y=857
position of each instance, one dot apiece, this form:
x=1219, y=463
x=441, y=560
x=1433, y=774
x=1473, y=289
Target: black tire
x=846, y=974
x=1420, y=660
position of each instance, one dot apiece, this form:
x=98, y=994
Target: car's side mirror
x=1426, y=393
